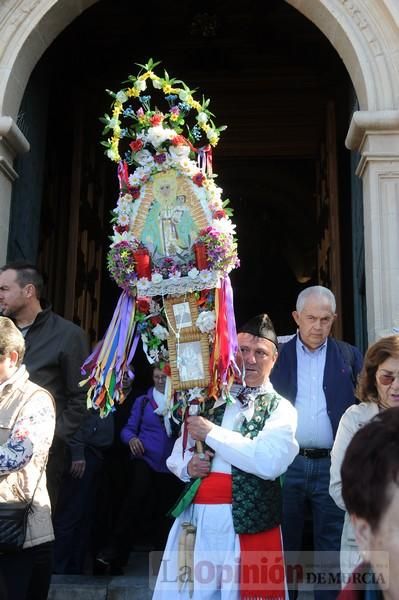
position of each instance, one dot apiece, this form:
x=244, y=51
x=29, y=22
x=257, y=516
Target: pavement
x=135, y=584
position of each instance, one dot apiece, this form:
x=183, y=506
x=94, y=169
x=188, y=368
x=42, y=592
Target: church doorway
x=286, y=97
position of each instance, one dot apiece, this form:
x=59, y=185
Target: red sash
x=262, y=573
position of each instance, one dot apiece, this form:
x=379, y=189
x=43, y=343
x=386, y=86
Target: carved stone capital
x=366, y=121
x=12, y=143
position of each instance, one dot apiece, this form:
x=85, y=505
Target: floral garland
x=181, y=101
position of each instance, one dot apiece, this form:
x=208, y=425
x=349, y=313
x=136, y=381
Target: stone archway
x=366, y=36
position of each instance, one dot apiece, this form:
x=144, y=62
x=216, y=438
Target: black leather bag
x=13, y=522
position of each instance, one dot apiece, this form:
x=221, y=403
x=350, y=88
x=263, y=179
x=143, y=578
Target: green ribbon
x=185, y=498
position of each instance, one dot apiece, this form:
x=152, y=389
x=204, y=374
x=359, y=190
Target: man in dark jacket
x=55, y=350
x=75, y=514
x=317, y=374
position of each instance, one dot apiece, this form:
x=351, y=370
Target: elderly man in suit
x=317, y=373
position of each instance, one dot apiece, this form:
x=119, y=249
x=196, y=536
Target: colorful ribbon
x=111, y=358
x=223, y=365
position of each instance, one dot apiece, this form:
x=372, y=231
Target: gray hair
x=317, y=291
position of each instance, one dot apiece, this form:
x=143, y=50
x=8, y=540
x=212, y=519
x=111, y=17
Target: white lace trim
x=178, y=285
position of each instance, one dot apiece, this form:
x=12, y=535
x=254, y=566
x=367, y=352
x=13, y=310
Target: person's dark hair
x=370, y=468
x=26, y=273
x=378, y=353
x=11, y=339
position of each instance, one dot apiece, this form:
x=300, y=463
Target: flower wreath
x=175, y=118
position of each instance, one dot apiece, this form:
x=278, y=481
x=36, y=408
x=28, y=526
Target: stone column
x=12, y=143
x=376, y=136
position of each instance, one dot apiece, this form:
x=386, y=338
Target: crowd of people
x=307, y=441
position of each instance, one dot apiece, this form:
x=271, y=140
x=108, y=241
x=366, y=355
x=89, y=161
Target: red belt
x=216, y=488
x=257, y=549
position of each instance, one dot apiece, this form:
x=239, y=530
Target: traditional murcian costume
x=236, y=511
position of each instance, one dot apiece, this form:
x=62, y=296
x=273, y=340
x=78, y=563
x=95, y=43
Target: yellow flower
x=173, y=117
x=146, y=75
x=166, y=88
x=132, y=92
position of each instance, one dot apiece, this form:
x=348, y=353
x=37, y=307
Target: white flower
x=193, y=273
x=187, y=166
x=164, y=353
x=125, y=236
x=205, y=276
x=121, y=96
x=212, y=136
x=113, y=122
x=160, y=332
x=206, y=321
x=157, y=135
x=123, y=219
x=154, y=354
x=224, y=226
x=202, y=118
x=143, y=173
x=112, y=154
x=178, y=152
x=156, y=278
x=157, y=83
x=134, y=180
x=195, y=393
x=122, y=206
x=140, y=84
x=183, y=95
x=143, y=157
x=127, y=198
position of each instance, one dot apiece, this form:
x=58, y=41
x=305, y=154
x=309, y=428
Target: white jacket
x=27, y=420
x=351, y=421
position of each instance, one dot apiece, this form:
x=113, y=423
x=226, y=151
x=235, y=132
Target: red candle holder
x=201, y=258
x=142, y=263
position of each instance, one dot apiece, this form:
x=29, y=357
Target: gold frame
x=173, y=344
x=189, y=299
x=185, y=187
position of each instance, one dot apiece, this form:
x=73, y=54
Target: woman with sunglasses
x=377, y=389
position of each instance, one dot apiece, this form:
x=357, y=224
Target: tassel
x=186, y=557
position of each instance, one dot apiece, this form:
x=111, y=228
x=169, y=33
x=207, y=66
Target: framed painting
x=182, y=314
x=189, y=361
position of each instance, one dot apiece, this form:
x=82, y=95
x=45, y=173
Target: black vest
x=257, y=503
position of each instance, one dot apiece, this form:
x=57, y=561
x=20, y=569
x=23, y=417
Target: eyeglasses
x=386, y=378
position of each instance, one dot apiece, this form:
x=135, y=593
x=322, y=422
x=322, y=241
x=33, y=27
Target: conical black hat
x=262, y=327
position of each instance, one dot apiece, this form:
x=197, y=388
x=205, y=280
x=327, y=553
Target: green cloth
x=185, y=498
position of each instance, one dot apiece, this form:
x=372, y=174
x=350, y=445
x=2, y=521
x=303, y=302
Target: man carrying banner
x=227, y=542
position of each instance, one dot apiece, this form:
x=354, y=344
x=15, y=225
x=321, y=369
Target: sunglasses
x=386, y=378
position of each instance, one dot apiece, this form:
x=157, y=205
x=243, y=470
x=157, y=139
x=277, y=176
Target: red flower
x=179, y=140
x=136, y=145
x=198, y=179
x=135, y=192
x=219, y=214
x=121, y=228
x=156, y=119
x=143, y=305
x=155, y=320
x=166, y=369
